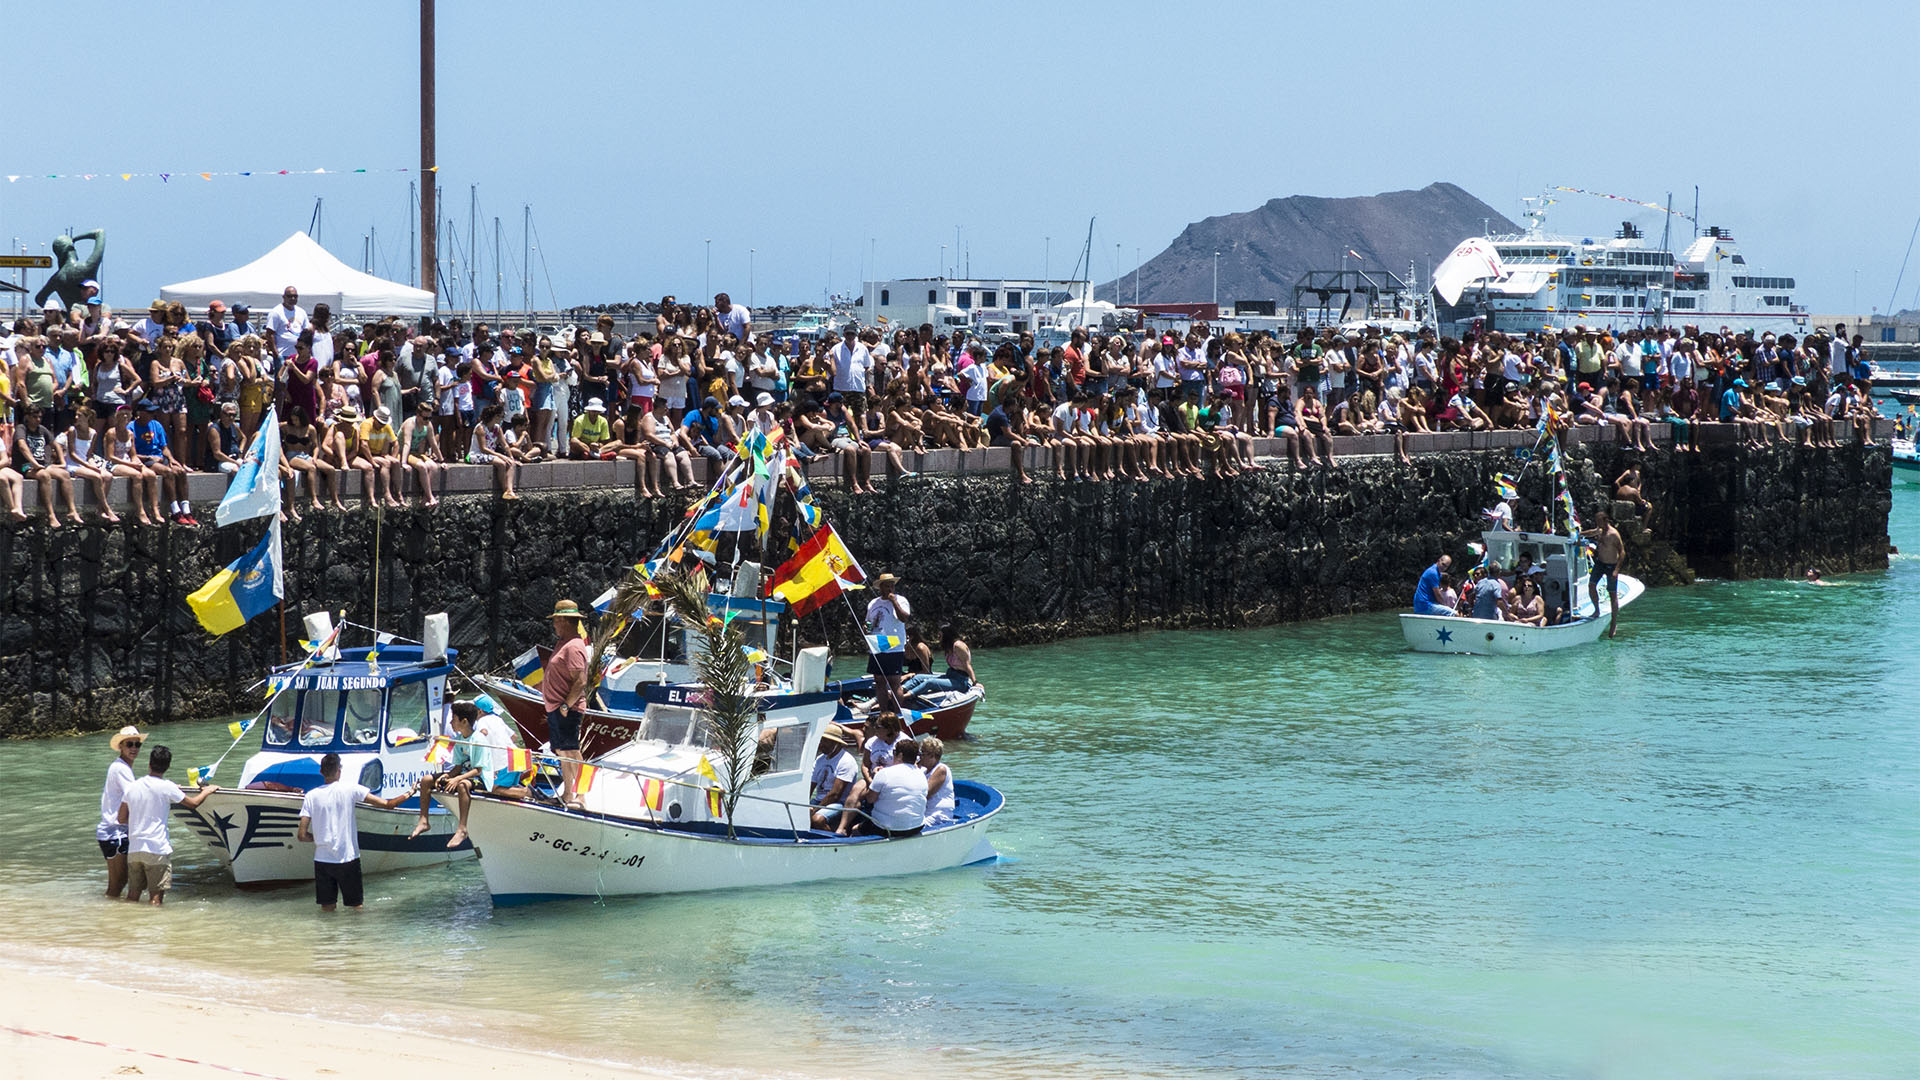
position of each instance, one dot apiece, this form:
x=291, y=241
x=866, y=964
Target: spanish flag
x=713, y=802
x=818, y=572
x=248, y=586
x=585, y=783
x=654, y=791
x=439, y=750
x=520, y=761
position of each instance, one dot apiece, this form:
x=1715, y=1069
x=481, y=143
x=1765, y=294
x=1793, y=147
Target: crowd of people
x=92, y=398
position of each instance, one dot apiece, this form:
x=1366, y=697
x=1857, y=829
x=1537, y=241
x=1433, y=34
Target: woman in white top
x=81, y=448
x=143, y=483
x=488, y=446
x=939, y=782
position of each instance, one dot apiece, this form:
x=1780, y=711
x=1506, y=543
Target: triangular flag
x=126, y=176
x=705, y=768
x=206, y=176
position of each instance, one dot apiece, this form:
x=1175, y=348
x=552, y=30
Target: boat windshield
x=407, y=719
x=354, y=713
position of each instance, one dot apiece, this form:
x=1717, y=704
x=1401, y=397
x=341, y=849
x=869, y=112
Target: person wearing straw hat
x=887, y=616
x=563, y=689
x=834, y=773
x=110, y=833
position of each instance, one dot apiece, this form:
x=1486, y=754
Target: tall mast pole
x=413, y=237
x=526, y=260
x=429, y=178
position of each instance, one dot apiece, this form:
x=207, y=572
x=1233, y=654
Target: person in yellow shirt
x=592, y=437
x=376, y=455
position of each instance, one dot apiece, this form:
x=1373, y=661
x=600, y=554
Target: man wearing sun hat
x=111, y=834
x=563, y=688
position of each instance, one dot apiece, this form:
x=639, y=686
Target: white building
x=984, y=305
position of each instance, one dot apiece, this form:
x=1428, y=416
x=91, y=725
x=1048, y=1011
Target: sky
x=778, y=150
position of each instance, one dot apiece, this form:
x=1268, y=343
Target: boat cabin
x=663, y=650
x=377, y=708
x=1563, y=557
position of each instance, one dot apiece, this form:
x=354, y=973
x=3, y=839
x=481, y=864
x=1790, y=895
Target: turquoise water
x=1691, y=852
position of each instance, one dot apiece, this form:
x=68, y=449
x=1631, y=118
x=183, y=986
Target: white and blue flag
x=255, y=490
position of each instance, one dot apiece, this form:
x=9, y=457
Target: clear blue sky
x=639, y=131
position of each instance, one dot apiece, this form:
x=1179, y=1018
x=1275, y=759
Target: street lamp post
x=1216, y=281
x=943, y=261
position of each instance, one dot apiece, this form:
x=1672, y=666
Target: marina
x=1447, y=879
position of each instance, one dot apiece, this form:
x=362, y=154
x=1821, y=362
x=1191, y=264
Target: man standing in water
x=563, y=686
x=148, y=804
x=328, y=822
x=110, y=832
x=1609, y=550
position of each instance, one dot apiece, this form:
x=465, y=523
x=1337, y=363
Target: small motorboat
x=653, y=820
x=378, y=708
x=1904, y=458
x=1566, y=563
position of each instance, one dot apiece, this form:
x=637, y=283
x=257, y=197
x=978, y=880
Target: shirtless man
x=1608, y=552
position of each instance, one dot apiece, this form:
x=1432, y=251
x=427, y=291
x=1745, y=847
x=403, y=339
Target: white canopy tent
x=310, y=268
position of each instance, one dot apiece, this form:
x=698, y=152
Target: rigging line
x=1893, y=299
x=542, y=248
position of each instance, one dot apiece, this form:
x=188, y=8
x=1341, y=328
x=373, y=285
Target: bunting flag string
x=167, y=177
x=1624, y=199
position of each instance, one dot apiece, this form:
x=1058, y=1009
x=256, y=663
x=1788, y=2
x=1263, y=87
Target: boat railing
x=549, y=761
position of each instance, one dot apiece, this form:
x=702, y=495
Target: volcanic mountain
x=1264, y=250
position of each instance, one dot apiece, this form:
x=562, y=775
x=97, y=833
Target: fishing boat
x=1560, y=562
x=652, y=823
x=701, y=742
x=1567, y=565
x=378, y=707
x=1904, y=457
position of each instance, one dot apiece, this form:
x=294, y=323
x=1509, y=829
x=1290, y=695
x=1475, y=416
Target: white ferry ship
x=1625, y=281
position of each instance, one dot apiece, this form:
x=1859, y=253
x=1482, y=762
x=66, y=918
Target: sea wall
x=94, y=631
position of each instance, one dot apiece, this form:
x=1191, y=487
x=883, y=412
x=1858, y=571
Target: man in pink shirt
x=563, y=688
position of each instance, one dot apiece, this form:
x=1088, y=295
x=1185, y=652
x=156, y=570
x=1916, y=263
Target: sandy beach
x=69, y=1028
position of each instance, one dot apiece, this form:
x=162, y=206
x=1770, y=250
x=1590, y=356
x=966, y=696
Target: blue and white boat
x=651, y=825
x=378, y=708
x=1564, y=588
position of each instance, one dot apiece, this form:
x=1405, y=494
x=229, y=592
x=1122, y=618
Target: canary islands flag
x=248, y=586
x=528, y=668
x=817, y=573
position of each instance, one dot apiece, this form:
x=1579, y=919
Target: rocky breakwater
x=94, y=631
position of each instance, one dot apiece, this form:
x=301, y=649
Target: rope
x=131, y=1050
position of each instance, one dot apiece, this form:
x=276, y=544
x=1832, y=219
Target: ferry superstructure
x=1627, y=281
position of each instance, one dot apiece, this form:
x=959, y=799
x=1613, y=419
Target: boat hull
x=255, y=835
x=531, y=853
x=1486, y=637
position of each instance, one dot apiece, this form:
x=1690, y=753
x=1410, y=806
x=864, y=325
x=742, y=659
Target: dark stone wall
x=94, y=630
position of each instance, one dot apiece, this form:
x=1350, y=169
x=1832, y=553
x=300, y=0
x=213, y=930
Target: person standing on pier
x=563, y=686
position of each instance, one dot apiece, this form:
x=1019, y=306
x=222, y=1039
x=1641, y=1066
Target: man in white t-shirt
x=851, y=360
x=286, y=321
x=111, y=834
x=731, y=317
x=887, y=617
x=834, y=774
x=327, y=821
x=144, y=810
x=895, y=800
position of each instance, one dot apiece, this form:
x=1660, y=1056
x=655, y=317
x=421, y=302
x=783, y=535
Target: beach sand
x=71, y=1029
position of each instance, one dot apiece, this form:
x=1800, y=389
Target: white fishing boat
x=378, y=708
x=1564, y=588
x=654, y=819
x=1904, y=457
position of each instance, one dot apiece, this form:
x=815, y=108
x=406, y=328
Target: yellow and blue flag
x=248, y=586
x=528, y=668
